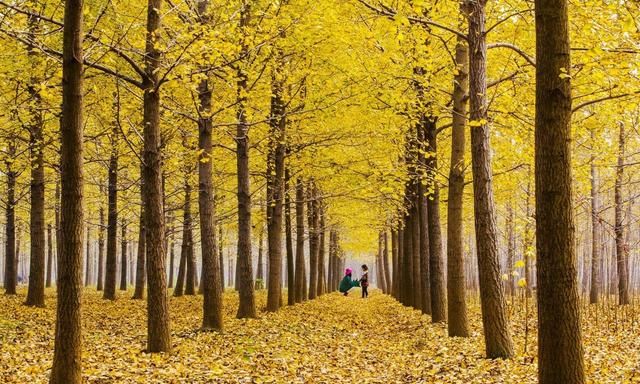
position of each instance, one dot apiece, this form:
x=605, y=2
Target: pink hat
x=347, y=271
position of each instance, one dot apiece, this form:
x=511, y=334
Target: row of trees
x=351, y=127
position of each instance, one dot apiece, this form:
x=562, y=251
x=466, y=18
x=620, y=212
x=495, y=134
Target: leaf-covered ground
x=333, y=339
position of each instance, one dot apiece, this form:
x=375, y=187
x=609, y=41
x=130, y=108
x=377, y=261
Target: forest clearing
x=329, y=340
x=319, y=191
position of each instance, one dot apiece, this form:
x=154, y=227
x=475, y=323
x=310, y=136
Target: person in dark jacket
x=364, y=281
x=347, y=283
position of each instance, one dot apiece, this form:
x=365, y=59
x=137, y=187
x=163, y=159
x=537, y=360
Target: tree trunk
x=275, y=189
x=35, y=291
x=67, y=354
x=221, y=256
x=212, y=280
x=594, y=291
x=458, y=323
x=436, y=267
x=312, y=217
x=511, y=283
x=247, y=306
x=560, y=354
x=190, y=279
x=407, y=259
x=291, y=291
x=395, y=266
x=621, y=246
x=49, y=254
x=112, y=219
x=321, y=251
x=11, y=265
x=141, y=277
x=87, y=259
x=300, y=280
x=100, y=277
x=123, y=257
x=260, y=271
x=494, y=317
x=172, y=257
x=158, y=333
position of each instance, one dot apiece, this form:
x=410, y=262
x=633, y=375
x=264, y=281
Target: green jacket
x=346, y=284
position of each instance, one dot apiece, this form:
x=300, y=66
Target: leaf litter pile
x=328, y=340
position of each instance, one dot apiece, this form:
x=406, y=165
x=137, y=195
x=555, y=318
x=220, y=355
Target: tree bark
x=394, y=257
x=494, y=319
x=35, y=291
x=112, y=218
x=212, y=281
x=88, y=260
x=511, y=283
x=158, y=333
x=321, y=287
x=458, y=323
x=123, y=257
x=247, y=306
x=275, y=189
x=100, y=277
x=190, y=279
x=291, y=292
x=621, y=246
x=300, y=262
x=141, y=278
x=49, y=255
x=67, y=354
x=312, y=217
x=560, y=353
x=596, y=228
x=436, y=267
x=11, y=265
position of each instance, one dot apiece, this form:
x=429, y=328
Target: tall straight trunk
x=382, y=284
x=494, y=318
x=49, y=255
x=385, y=262
x=172, y=256
x=458, y=323
x=67, y=355
x=436, y=267
x=35, y=291
x=416, y=269
x=100, y=277
x=401, y=264
x=10, y=265
x=220, y=255
x=260, y=271
x=560, y=353
x=528, y=240
x=230, y=275
x=212, y=280
x=158, y=333
x=322, y=276
x=331, y=267
x=621, y=246
x=112, y=218
x=247, y=306
x=275, y=189
x=190, y=272
x=407, y=258
x=312, y=217
x=395, y=266
x=123, y=257
x=425, y=278
x=300, y=280
x=184, y=253
x=141, y=278
x=511, y=283
x=87, y=258
x=596, y=228
x=289, y=241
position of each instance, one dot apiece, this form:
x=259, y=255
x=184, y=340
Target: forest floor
x=333, y=339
